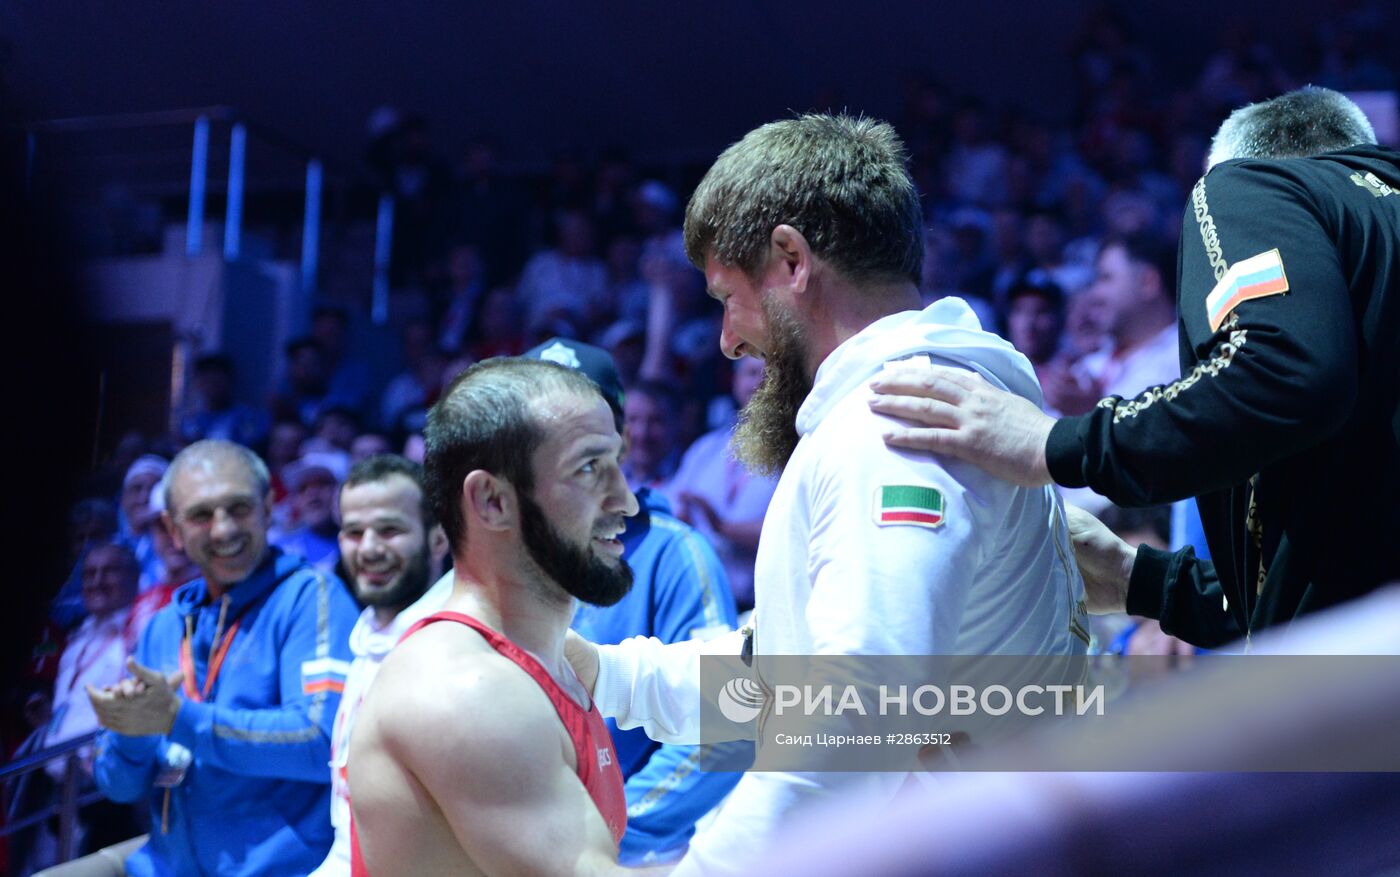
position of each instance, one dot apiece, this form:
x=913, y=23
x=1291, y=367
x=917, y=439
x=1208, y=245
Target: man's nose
x=370, y=543
x=621, y=499
x=729, y=341
x=224, y=523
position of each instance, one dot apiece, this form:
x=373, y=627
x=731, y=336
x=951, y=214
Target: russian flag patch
x=323, y=674
x=1254, y=277
x=908, y=504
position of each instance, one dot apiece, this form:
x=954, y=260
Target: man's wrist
x=172, y=711
x=1126, y=574
x=1063, y=453
x=1147, y=577
x=185, y=727
x=1042, y=461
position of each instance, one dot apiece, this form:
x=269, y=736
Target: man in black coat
x=1285, y=423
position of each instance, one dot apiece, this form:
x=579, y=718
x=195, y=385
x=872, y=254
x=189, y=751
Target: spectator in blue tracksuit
x=679, y=591
x=227, y=721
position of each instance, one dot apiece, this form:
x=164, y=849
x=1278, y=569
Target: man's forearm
x=286, y=742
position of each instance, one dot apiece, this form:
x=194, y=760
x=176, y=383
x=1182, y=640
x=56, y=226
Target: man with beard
x=809, y=232
x=478, y=751
x=679, y=592
x=390, y=549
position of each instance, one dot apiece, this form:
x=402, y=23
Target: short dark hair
x=380, y=467
x=841, y=181
x=1149, y=250
x=1043, y=287
x=484, y=421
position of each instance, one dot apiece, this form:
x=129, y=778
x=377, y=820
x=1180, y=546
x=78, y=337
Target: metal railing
x=199, y=121
x=69, y=799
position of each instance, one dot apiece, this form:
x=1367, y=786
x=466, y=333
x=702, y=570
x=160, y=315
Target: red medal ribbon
x=216, y=662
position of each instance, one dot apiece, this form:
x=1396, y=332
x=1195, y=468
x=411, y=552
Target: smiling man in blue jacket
x=226, y=719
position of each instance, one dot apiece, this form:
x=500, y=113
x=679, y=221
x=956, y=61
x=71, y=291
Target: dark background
x=671, y=80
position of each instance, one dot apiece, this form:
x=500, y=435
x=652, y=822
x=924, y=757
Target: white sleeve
x=880, y=585
x=645, y=683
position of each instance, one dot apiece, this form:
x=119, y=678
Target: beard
x=575, y=569
x=766, y=434
x=411, y=584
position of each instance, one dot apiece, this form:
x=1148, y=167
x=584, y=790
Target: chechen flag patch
x=909, y=504
x=1254, y=277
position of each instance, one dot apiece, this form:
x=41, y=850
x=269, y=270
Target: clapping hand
x=142, y=704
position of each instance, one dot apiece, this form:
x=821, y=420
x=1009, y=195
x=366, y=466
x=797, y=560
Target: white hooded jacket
x=848, y=564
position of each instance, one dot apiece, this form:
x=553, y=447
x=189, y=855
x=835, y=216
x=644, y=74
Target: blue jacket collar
x=275, y=568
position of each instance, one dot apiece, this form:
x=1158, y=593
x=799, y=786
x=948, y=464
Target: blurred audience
x=713, y=492
x=214, y=413
x=95, y=655
x=306, y=383
x=313, y=481
x=650, y=413
x=136, y=515
x=1035, y=321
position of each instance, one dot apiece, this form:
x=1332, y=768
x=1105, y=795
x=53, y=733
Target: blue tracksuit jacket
x=256, y=798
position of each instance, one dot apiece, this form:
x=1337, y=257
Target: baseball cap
x=335, y=464
x=146, y=464
x=595, y=362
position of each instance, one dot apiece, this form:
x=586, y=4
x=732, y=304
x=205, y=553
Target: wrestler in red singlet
x=595, y=761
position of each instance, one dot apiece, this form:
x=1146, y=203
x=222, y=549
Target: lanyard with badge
x=177, y=759
x=218, y=650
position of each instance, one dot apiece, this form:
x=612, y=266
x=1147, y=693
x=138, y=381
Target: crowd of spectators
x=1059, y=233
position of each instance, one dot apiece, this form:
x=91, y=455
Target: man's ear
x=437, y=543
x=490, y=500
x=789, y=259
x=171, y=530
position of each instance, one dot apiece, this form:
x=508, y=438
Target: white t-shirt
x=1154, y=363
x=370, y=644
x=95, y=655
